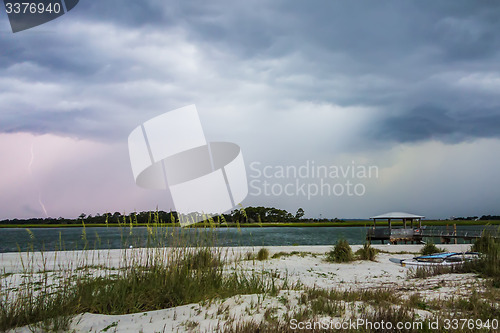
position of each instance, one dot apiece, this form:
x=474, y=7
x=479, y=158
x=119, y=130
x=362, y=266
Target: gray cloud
x=116, y=63
x=289, y=81
x=428, y=122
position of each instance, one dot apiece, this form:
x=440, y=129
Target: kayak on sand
x=438, y=259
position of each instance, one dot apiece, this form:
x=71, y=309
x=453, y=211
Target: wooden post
x=455, y=231
x=390, y=226
x=420, y=223
x=404, y=223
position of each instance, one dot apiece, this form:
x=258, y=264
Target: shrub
x=263, y=254
x=430, y=248
x=342, y=252
x=367, y=252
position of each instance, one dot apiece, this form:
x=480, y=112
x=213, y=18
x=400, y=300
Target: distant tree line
x=474, y=218
x=243, y=215
x=111, y=218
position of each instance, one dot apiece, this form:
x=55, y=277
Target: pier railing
x=417, y=234
x=393, y=233
x=466, y=234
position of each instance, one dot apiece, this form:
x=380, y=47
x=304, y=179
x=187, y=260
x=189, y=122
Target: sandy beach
x=300, y=266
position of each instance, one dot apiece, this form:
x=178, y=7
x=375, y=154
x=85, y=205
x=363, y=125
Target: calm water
x=15, y=239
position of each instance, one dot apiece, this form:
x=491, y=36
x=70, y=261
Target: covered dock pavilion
x=395, y=235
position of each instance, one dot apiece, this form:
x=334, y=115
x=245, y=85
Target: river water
x=49, y=239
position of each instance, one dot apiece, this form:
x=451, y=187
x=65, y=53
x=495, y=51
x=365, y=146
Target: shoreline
x=347, y=223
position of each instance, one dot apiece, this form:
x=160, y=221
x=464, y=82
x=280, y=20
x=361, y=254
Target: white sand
x=308, y=267
x=13, y=262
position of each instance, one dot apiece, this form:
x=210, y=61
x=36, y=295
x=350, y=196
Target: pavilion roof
x=397, y=215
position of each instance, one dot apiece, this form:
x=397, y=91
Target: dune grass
x=315, y=306
x=430, y=248
x=341, y=253
x=151, y=278
x=263, y=254
x=367, y=252
x=489, y=264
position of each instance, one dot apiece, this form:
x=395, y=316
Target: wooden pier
x=399, y=235
x=411, y=233
x=394, y=235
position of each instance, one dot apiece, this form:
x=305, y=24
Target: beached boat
x=438, y=259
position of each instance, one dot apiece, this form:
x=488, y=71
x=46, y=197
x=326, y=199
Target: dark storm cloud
x=392, y=56
x=428, y=122
x=288, y=80
x=60, y=123
x=42, y=123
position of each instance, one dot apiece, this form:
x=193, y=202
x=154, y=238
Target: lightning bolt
x=41, y=203
x=30, y=165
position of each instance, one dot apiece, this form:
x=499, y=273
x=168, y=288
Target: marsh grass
x=367, y=252
x=342, y=252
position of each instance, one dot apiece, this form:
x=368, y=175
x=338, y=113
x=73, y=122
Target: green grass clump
x=263, y=254
x=203, y=258
x=342, y=252
x=430, y=248
x=367, y=252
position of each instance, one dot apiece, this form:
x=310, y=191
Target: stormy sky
x=412, y=88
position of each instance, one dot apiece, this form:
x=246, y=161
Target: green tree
x=300, y=213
